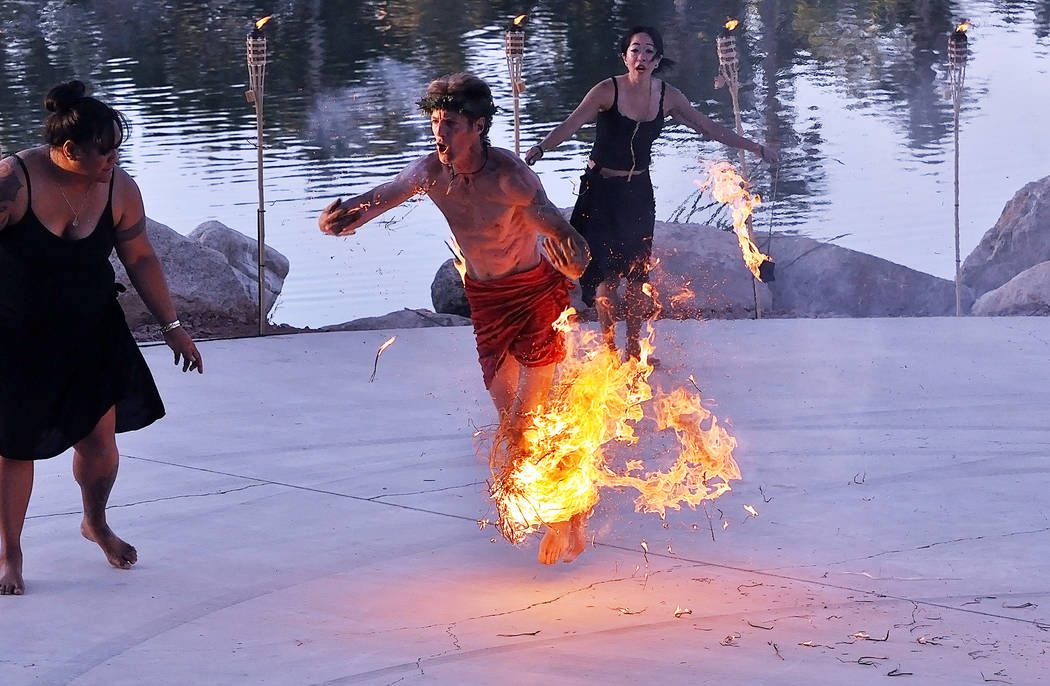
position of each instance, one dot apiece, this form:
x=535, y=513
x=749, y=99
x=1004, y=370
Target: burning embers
x=596, y=402
x=730, y=188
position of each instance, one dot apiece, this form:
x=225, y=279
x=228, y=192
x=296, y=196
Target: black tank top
x=623, y=143
x=45, y=276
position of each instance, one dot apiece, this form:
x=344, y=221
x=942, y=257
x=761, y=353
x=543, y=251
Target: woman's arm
x=145, y=272
x=11, y=193
x=681, y=110
x=598, y=98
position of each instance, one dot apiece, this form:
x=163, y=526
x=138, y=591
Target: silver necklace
x=83, y=199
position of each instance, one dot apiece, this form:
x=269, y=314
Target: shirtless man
x=497, y=211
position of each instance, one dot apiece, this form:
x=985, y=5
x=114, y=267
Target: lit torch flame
x=262, y=22
x=729, y=187
x=596, y=401
x=963, y=27
x=519, y=19
x=731, y=24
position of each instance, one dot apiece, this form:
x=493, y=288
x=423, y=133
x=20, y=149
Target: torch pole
x=957, y=54
x=256, y=55
x=260, y=216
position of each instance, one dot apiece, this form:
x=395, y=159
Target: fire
x=458, y=261
x=730, y=188
x=562, y=462
x=518, y=20
x=389, y=342
x=963, y=27
x=731, y=24
x=262, y=22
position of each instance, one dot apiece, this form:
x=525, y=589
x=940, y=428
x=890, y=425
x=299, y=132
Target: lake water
x=855, y=94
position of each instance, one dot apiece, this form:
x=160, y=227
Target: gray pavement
x=297, y=524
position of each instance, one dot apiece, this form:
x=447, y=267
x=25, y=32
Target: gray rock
x=241, y=253
x=699, y=272
x=821, y=280
x=446, y=291
x=401, y=319
x=203, y=286
x=1028, y=293
x=1019, y=240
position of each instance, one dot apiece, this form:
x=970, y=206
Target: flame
x=561, y=464
x=963, y=27
x=458, y=261
x=731, y=24
x=519, y=19
x=729, y=187
x=685, y=294
x=751, y=511
x=262, y=22
x=389, y=342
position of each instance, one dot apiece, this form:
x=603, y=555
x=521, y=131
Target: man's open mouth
x=442, y=148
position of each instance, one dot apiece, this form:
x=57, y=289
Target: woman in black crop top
x=615, y=210
x=71, y=375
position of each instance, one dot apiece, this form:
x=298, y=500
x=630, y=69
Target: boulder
x=401, y=319
x=1028, y=293
x=1019, y=240
x=815, y=279
x=242, y=254
x=446, y=291
x=699, y=273
x=200, y=280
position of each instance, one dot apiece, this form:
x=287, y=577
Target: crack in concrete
x=150, y=500
x=430, y=490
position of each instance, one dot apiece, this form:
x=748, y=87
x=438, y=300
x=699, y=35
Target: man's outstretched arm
x=344, y=217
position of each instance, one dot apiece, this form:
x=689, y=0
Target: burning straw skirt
x=616, y=216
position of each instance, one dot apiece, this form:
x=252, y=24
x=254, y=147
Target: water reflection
x=853, y=91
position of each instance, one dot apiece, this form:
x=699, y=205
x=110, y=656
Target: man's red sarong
x=514, y=315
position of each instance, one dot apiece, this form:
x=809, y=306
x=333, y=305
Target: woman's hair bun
x=64, y=96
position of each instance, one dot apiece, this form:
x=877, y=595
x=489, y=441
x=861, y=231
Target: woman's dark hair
x=82, y=119
x=658, y=43
x=463, y=93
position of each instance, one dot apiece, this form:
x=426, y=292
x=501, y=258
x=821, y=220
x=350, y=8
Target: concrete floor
x=297, y=524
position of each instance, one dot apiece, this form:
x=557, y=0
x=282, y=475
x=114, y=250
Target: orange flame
x=963, y=27
x=262, y=22
x=389, y=342
x=458, y=261
x=562, y=463
x=730, y=188
x=731, y=24
x=519, y=19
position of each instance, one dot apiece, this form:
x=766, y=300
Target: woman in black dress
x=70, y=373
x=616, y=211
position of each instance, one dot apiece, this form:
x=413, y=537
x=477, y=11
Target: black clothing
x=66, y=354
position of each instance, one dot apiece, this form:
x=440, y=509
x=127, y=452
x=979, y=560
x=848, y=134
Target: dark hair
x=463, y=93
x=658, y=43
x=82, y=119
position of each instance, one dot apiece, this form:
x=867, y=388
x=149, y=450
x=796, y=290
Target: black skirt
x=616, y=215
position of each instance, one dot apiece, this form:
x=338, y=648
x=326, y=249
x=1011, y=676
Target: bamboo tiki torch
x=256, y=53
x=729, y=75
x=957, y=53
x=514, y=42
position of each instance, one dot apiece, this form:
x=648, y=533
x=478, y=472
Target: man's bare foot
x=555, y=542
x=577, y=537
x=119, y=553
x=11, y=582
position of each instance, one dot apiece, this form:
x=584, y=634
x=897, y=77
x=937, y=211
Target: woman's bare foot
x=577, y=537
x=11, y=582
x=555, y=542
x=120, y=554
